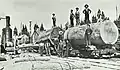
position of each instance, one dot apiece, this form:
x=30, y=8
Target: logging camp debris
x=49, y=34
x=50, y=38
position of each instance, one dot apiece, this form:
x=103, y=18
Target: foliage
x=35, y=27
x=15, y=31
x=94, y=19
x=42, y=28
x=25, y=31
x=98, y=13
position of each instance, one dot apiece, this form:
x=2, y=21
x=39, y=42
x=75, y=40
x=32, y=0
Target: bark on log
x=103, y=33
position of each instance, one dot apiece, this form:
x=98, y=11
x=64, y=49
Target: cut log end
x=109, y=32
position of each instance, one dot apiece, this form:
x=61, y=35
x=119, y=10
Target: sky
x=40, y=11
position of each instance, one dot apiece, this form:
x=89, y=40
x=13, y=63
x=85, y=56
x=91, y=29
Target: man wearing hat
x=86, y=11
x=72, y=18
x=88, y=33
x=77, y=16
x=54, y=20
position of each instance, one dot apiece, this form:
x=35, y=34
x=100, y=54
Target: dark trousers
x=87, y=21
x=41, y=49
x=88, y=39
x=72, y=22
x=54, y=23
x=47, y=49
x=77, y=21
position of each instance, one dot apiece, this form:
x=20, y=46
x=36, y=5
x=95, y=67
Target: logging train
x=103, y=39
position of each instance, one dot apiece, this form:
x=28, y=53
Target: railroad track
x=99, y=63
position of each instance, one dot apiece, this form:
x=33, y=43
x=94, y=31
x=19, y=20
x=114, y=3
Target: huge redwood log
x=103, y=33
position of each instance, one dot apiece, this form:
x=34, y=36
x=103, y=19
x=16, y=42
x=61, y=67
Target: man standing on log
x=88, y=33
x=77, y=16
x=87, y=11
x=54, y=20
x=72, y=18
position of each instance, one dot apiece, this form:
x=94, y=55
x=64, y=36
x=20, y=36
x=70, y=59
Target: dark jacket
x=71, y=16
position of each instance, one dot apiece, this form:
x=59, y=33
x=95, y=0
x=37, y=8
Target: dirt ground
x=36, y=62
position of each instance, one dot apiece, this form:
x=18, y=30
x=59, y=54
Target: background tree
x=25, y=31
x=66, y=25
x=60, y=25
x=94, y=19
x=102, y=15
x=42, y=28
x=98, y=13
x=15, y=31
x=119, y=17
x=36, y=27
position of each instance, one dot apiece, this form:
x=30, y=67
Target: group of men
x=76, y=16
x=86, y=11
x=88, y=31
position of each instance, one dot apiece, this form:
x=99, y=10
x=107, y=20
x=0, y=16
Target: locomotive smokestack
x=7, y=21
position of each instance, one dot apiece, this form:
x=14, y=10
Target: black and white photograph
x=59, y=34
